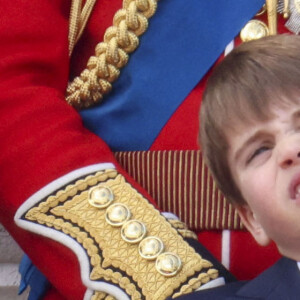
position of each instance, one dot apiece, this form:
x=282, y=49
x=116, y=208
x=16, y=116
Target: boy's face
x=264, y=159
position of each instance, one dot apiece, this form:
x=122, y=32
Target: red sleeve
x=42, y=138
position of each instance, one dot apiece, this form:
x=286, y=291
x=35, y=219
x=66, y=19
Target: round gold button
x=254, y=30
x=100, y=196
x=117, y=214
x=133, y=231
x=168, y=264
x=150, y=247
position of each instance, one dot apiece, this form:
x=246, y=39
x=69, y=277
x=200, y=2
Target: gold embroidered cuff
x=127, y=241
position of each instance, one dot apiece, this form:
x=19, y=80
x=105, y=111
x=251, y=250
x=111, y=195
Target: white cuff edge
x=63, y=238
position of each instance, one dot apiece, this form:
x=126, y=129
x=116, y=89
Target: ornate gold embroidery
x=183, y=229
x=112, y=54
x=69, y=211
x=195, y=283
x=188, y=234
x=102, y=296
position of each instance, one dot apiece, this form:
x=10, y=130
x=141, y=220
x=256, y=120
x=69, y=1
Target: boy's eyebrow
x=255, y=136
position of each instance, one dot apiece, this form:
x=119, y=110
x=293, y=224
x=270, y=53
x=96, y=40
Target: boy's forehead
x=238, y=117
x=239, y=132
x=239, y=126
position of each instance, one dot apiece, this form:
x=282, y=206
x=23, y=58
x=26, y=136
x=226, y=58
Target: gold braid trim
x=186, y=233
x=195, y=283
x=112, y=54
x=272, y=16
x=78, y=20
x=102, y=296
x=183, y=229
x=112, y=259
x=74, y=23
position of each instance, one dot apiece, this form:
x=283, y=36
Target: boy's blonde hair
x=254, y=77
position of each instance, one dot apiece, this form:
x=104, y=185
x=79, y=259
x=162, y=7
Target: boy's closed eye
x=257, y=152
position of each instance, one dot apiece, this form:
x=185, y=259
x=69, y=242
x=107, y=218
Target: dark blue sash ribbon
x=184, y=39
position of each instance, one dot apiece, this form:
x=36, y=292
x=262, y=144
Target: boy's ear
x=253, y=225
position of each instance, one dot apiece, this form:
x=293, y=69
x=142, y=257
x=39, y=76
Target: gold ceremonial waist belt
x=180, y=183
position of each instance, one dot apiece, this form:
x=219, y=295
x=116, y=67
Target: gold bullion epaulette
x=127, y=247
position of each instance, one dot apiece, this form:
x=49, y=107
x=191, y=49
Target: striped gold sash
x=180, y=183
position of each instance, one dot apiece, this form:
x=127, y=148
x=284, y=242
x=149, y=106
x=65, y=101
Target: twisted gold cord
x=272, y=16
x=112, y=54
x=183, y=229
x=74, y=23
x=78, y=20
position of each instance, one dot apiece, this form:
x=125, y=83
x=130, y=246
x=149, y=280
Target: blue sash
x=184, y=39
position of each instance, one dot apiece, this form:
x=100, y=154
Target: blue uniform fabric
x=279, y=282
x=182, y=42
x=31, y=276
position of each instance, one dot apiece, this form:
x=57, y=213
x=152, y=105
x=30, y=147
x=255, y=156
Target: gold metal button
x=117, y=214
x=254, y=30
x=100, y=196
x=168, y=264
x=133, y=231
x=150, y=247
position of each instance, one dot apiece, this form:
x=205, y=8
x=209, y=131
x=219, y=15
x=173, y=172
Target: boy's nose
x=289, y=154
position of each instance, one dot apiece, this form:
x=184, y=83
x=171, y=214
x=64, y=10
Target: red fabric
x=52, y=294
x=212, y=241
x=253, y=257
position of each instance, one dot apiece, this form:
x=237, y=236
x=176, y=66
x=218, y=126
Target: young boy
x=250, y=136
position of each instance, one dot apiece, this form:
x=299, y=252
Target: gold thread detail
x=112, y=54
x=168, y=187
x=185, y=233
x=272, y=16
x=195, y=283
x=78, y=20
x=183, y=229
x=102, y=296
